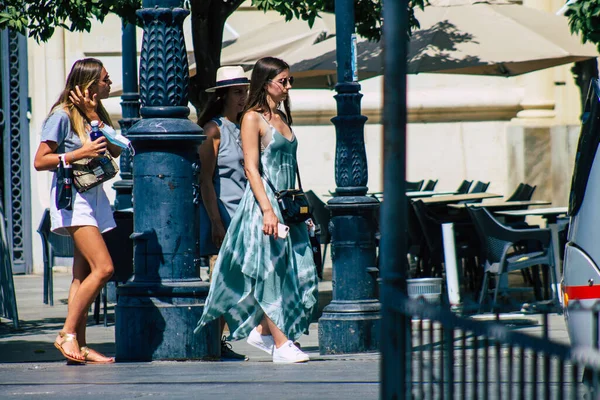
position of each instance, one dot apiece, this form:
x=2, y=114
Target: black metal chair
x=517, y=194
x=53, y=246
x=414, y=186
x=528, y=192
x=523, y=192
x=501, y=255
x=117, y=241
x=430, y=185
x=431, y=229
x=463, y=188
x=322, y=217
x=480, y=187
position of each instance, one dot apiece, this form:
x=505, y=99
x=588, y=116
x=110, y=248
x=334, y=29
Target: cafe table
x=450, y=261
x=457, y=198
x=551, y=215
x=494, y=206
x=429, y=193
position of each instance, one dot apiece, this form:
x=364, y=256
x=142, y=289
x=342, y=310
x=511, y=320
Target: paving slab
x=31, y=368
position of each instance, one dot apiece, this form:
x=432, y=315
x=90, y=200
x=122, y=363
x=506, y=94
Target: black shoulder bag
x=293, y=203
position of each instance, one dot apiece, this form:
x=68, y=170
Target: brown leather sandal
x=66, y=338
x=85, y=351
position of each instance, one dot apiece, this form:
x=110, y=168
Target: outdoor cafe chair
x=528, y=192
x=501, y=256
x=119, y=245
x=523, y=192
x=414, y=186
x=53, y=246
x=517, y=194
x=430, y=185
x=463, y=188
x=480, y=187
x=431, y=228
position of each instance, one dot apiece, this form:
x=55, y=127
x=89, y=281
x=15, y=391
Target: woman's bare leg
x=81, y=270
x=263, y=327
x=90, y=245
x=278, y=336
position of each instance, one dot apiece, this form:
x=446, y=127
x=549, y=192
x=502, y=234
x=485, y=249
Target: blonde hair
x=84, y=73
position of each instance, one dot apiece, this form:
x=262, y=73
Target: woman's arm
x=208, y=152
x=251, y=134
x=55, y=129
x=46, y=157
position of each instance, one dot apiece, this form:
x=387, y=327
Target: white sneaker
x=263, y=342
x=288, y=353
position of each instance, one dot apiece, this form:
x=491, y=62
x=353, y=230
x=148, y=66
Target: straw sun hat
x=229, y=76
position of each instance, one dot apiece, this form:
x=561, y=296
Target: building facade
x=501, y=130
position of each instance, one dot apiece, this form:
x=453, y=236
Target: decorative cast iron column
x=130, y=106
x=158, y=310
x=350, y=323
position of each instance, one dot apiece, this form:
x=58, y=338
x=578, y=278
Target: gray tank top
x=229, y=178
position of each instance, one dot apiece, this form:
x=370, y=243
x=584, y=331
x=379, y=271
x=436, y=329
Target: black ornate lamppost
x=350, y=323
x=130, y=106
x=158, y=310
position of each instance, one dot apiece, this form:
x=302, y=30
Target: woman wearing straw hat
x=222, y=178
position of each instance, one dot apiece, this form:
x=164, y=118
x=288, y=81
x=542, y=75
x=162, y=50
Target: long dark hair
x=264, y=70
x=214, y=106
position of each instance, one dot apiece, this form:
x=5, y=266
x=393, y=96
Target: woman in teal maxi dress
x=265, y=286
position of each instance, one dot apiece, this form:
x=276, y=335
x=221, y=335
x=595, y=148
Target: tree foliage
x=584, y=19
x=40, y=18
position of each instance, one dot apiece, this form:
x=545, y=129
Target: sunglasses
x=284, y=82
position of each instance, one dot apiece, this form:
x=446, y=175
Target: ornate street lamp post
x=130, y=106
x=350, y=323
x=158, y=310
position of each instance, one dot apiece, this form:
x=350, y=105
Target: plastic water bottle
x=65, y=200
x=96, y=133
x=96, y=166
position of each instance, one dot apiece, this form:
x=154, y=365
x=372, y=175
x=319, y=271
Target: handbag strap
x=262, y=173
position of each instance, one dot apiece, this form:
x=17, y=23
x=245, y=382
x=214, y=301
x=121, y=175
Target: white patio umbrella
x=460, y=37
x=491, y=38
x=316, y=66
x=274, y=37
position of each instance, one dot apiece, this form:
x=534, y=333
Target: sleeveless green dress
x=256, y=273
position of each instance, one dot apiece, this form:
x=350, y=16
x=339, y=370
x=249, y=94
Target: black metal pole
x=158, y=310
x=350, y=323
x=130, y=106
x=395, y=327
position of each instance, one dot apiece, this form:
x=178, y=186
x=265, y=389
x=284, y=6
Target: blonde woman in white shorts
x=66, y=133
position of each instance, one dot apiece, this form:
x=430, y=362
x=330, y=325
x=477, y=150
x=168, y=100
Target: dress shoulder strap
x=217, y=121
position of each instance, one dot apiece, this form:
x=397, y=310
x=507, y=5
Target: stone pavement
x=30, y=366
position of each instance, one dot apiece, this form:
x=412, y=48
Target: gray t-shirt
x=57, y=128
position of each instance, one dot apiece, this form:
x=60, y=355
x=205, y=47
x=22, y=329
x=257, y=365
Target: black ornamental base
x=157, y=323
x=351, y=322
x=342, y=331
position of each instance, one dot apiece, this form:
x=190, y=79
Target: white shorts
x=90, y=208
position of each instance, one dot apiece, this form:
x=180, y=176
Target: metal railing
x=456, y=357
